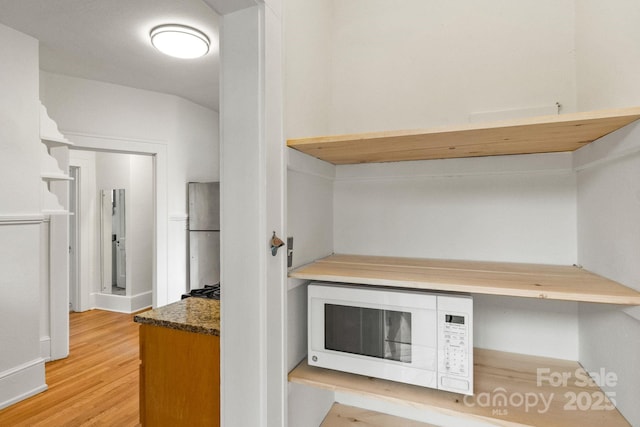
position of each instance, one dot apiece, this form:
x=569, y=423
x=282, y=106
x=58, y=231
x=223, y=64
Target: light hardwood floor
x=97, y=385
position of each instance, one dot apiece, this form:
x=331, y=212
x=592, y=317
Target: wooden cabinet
x=179, y=378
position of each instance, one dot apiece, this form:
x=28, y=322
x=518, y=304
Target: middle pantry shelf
x=556, y=282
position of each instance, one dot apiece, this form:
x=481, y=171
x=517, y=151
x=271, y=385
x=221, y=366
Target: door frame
x=158, y=151
x=74, y=238
x=253, y=199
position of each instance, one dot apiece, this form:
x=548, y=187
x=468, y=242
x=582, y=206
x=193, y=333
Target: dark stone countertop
x=199, y=315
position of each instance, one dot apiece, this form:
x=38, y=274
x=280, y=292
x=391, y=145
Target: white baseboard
x=122, y=303
x=140, y=301
x=45, y=348
x=21, y=382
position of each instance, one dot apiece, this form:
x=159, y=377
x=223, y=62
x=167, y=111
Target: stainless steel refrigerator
x=204, y=234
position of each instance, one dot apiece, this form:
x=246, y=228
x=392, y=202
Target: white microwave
x=405, y=335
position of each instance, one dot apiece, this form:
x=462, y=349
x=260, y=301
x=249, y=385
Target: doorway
x=114, y=226
x=113, y=236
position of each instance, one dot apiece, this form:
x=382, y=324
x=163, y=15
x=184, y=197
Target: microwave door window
x=372, y=332
x=354, y=330
x=369, y=332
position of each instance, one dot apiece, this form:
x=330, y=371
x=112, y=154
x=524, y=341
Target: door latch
x=276, y=243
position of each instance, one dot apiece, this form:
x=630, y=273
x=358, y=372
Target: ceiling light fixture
x=179, y=41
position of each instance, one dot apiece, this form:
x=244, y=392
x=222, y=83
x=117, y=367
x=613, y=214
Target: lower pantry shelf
x=510, y=390
x=349, y=416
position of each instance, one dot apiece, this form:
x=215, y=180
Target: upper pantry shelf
x=547, y=134
x=494, y=278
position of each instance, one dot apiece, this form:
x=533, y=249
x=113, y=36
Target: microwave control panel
x=455, y=344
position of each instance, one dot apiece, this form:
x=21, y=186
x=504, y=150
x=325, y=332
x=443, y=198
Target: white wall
x=21, y=367
x=423, y=63
x=307, y=90
x=189, y=131
x=310, y=222
x=608, y=66
x=607, y=60
x=510, y=209
x=609, y=244
x=19, y=111
x=307, y=39
x=505, y=210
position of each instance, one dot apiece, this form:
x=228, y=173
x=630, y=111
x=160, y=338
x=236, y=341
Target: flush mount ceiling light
x=179, y=41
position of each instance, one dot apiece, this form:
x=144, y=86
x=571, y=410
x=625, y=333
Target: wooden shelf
x=349, y=416
x=496, y=374
x=566, y=132
x=566, y=283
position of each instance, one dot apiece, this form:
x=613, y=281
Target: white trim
x=27, y=394
x=178, y=217
x=45, y=348
x=308, y=165
x=141, y=301
x=159, y=150
x=182, y=219
x=111, y=138
x=23, y=219
x=17, y=369
x=122, y=303
x=21, y=382
x=83, y=253
x=295, y=283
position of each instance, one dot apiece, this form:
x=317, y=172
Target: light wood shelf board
x=349, y=416
x=567, y=283
x=496, y=373
x=558, y=133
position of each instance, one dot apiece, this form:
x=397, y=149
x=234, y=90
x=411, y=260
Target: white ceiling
x=108, y=40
